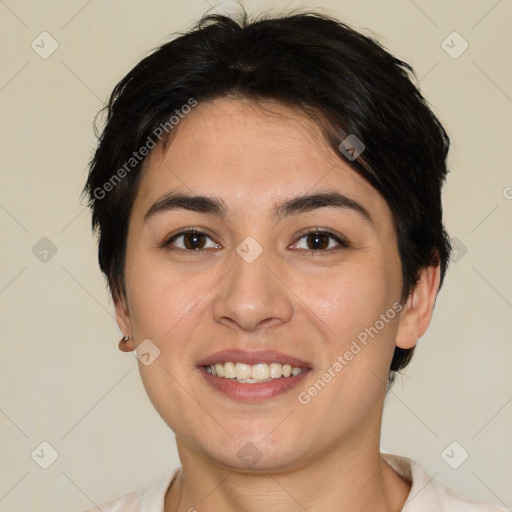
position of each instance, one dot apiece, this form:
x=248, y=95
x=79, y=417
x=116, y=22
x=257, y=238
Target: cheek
x=359, y=306
x=353, y=298
x=162, y=299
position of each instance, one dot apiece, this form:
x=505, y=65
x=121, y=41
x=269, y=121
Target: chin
x=250, y=458
x=251, y=452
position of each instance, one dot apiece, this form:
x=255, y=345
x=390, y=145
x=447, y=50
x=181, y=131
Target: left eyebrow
x=216, y=206
x=311, y=202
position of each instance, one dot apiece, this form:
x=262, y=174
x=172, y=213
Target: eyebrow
x=295, y=205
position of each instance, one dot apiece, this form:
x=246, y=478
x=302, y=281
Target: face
x=254, y=273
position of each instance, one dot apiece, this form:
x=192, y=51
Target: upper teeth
x=258, y=372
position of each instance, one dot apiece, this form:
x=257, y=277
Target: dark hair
x=345, y=81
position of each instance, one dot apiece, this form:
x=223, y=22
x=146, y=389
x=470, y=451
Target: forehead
x=256, y=154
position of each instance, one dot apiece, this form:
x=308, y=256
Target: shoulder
x=150, y=499
x=427, y=494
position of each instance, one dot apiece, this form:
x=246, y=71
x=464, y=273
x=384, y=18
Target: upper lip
x=252, y=357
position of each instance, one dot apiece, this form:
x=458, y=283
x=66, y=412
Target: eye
x=191, y=240
x=320, y=241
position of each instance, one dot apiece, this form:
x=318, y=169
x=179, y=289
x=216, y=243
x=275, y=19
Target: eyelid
x=184, y=231
x=340, y=239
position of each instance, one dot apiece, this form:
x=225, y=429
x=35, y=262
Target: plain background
x=62, y=378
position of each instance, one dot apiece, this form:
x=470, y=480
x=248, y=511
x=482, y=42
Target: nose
x=252, y=295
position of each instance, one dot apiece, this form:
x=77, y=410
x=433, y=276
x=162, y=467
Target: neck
x=348, y=476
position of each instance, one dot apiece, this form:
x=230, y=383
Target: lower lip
x=253, y=392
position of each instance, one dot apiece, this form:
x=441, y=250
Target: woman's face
x=281, y=280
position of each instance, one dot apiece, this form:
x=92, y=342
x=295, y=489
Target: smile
x=252, y=374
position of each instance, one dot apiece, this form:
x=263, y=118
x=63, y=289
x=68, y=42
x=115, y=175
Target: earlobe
x=418, y=309
x=126, y=344
x=123, y=321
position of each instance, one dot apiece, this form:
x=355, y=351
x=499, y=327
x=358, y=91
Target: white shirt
x=425, y=494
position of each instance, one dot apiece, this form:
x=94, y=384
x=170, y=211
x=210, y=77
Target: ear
x=418, y=309
x=124, y=322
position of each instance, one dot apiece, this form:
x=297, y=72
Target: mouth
x=253, y=376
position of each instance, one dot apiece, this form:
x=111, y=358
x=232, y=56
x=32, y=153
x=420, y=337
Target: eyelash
x=342, y=244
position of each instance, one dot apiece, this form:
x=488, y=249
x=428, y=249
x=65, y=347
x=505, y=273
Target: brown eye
x=317, y=241
x=320, y=241
x=192, y=241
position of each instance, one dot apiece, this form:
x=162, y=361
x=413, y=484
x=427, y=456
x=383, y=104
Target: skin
x=311, y=304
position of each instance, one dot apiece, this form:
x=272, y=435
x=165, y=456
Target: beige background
x=62, y=379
